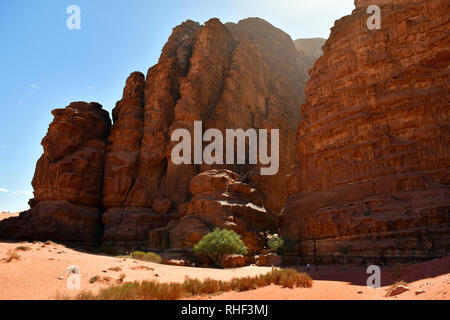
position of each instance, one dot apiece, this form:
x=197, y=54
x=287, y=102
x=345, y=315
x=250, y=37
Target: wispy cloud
x=91, y=87
x=33, y=86
x=17, y=193
x=22, y=193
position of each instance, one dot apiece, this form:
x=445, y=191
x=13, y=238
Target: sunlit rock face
x=68, y=179
x=372, y=173
x=219, y=200
x=121, y=179
x=229, y=76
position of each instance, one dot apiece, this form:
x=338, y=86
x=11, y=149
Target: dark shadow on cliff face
x=357, y=275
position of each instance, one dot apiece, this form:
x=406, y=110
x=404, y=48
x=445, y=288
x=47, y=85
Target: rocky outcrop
x=372, y=175
x=233, y=76
x=219, y=201
x=68, y=179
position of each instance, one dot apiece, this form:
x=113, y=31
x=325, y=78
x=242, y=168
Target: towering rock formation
x=231, y=76
x=372, y=175
x=219, y=200
x=68, y=179
x=119, y=182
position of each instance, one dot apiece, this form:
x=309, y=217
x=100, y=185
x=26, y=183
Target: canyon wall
x=372, y=174
x=68, y=179
x=120, y=178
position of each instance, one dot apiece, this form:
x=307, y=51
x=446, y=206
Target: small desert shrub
x=23, y=248
x=399, y=271
x=11, y=255
x=146, y=256
x=367, y=213
x=93, y=279
x=192, y=286
x=116, y=269
x=146, y=290
x=289, y=246
x=152, y=290
x=215, y=245
x=276, y=244
x=122, y=276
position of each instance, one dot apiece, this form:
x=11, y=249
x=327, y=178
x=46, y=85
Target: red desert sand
x=40, y=273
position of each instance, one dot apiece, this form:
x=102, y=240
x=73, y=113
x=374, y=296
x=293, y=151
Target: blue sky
x=45, y=66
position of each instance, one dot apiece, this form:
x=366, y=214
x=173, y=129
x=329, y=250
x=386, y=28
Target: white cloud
x=34, y=86
x=22, y=193
x=17, y=193
x=91, y=87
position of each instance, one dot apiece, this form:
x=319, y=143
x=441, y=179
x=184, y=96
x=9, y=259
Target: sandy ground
x=40, y=273
x=6, y=215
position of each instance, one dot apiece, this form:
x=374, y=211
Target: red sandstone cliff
x=68, y=179
x=229, y=76
x=243, y=75
x=372, y=175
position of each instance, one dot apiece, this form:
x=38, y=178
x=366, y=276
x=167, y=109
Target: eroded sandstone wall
x=68, y=180
x=233, y=76
x=372, y=175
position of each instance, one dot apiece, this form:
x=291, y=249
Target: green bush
x=289, y=246
x=276, y=244
x=215, y=245
x=146, y=256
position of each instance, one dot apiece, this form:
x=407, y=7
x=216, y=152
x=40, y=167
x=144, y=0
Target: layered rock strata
x=372, y=175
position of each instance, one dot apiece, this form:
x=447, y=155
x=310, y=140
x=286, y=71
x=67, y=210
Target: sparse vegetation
x=344, y=250
x=11, y=255
x=93, y=279
x=215, y=245
x=146, y=256
x=399, y=271
x=23, y=248
x=367, y=213
x=116, y=269
x=276, y=244
x=153, y=290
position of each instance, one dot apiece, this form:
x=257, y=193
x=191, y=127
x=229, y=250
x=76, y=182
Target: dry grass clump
x=23, y=248
x=153, y=290
x=146, y=290
x=116, y=269
x=11, y=255
x=146, y=256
